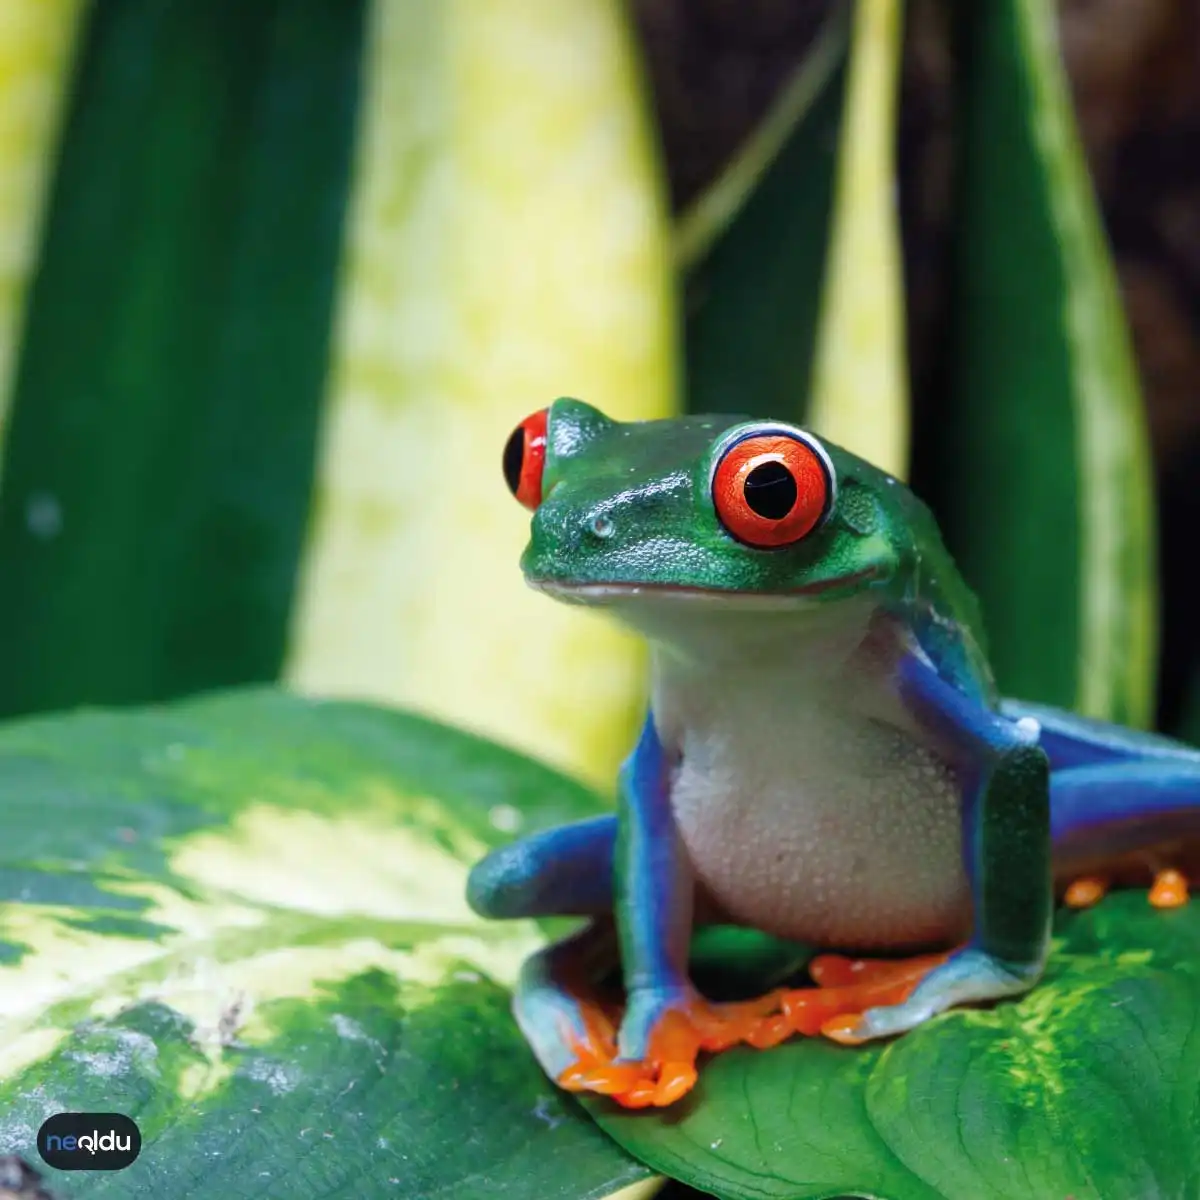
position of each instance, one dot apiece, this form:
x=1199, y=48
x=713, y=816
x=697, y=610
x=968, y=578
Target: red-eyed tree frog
x=825, y=758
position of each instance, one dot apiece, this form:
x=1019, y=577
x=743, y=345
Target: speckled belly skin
x=827, y=819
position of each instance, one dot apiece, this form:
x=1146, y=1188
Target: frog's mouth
x=600, y=594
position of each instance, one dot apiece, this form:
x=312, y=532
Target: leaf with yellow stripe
x=1039, y=462
x=299, y=272
x=796, y=298
x=169, y=381
x=860, y=383
x=506, y=245
x=241, y=921
x=752, y=247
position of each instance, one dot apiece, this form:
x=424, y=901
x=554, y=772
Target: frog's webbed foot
x=640, y=1054
x=661, y=1036
x=860, y=1000
x=1086, y=891
x=848, y=987
x=1170, y=889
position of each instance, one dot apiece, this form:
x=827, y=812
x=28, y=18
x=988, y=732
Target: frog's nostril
x=602, y=526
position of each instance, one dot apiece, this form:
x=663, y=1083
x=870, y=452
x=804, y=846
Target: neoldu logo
x=89, y=1141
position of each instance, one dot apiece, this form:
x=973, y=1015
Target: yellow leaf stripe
x=507, y=245
x=860, y=389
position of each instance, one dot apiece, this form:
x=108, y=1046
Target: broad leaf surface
x=1087, y=1088
x=241, y=921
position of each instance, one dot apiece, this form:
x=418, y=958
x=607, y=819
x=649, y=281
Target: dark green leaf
x=1087, y=1088
x=1039, y=466
x=159, y=461
x=753, y=299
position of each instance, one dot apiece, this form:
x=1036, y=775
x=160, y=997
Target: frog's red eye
x=525, y=459
x=772, y=489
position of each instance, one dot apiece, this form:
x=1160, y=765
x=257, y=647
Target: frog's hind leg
x=1116, y=819
x=1133, y=821
x=560, y=1005
x=847, y=987
x=1124, y=807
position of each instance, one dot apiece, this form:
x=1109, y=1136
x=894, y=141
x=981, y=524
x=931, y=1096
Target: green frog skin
x=824, y=760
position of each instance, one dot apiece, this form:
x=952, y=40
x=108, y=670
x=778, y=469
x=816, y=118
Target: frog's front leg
x=565, y=871
x=666, y=1021
x=1006, y=849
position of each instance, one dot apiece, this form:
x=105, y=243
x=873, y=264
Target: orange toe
x=1085, y=892
x=878, y=982
x=1170, y=889
x=841, y=1029
x=639, y=1096
x=609, y=1079
x=675, y=1080
x=669, y=1071
x=593, y=1069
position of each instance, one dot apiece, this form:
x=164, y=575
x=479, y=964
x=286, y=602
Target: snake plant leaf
x=1039, y=466
x=35, y=70
x=167, y=397
x=507, y=245
x=753, y=247
x=859, y=384
x=795, y=302
x=301, y=270
x=241, y=922
x=1086, y=1088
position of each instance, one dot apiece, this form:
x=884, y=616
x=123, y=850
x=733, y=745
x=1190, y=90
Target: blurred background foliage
x=1135, y=85
x=277, y=280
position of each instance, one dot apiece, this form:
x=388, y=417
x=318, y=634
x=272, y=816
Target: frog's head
x=711, y=508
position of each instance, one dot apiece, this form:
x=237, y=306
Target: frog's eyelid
x=740, y=433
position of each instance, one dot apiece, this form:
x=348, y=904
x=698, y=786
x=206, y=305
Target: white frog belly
x=807, y=796
x=836, y=830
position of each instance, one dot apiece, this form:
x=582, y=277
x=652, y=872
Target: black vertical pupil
x=771, y=491
x=514, y=458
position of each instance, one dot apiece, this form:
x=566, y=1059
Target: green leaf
x=709, y=216
x=158, y=465
x=1039, y=467
x=288, y=248
x=1084, y=1088
x=796, y=309
x=859, y=383
x=754, y=291
x=241, y=921
x=506, y=244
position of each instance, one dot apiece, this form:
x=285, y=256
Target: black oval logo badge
x=89, y=1141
